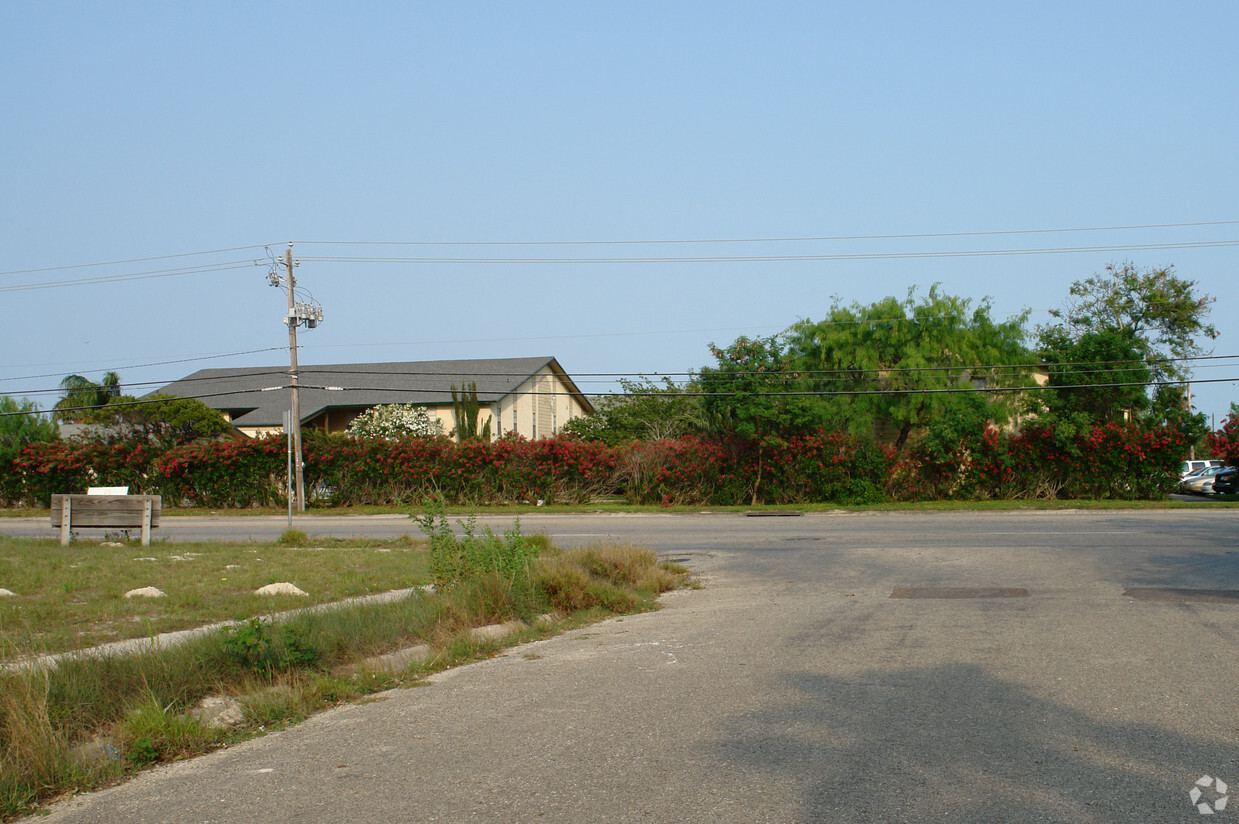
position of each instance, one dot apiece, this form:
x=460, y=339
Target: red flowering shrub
x=1110, y=461
x=511, y=469
x=224, y=473
x=41, y=470
x=1123, y=461
x=688, y=470
x=825, y=467
x=1224, y=443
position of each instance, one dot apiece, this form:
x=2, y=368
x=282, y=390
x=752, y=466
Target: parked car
x=1192, y=467
x=1201, y=481
x=1226, y=482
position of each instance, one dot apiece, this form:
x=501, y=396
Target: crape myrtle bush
x=1224, y=443
x=224, y=473
x=1122, y=461
x=40, y=470
x=559, y=470
x=205, y=473
x=1109, y=461
x=818, y=467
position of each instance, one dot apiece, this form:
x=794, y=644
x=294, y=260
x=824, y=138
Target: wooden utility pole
x=1191, y=450
x=292, y=322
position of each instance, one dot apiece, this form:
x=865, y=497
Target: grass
x=90, y=721
x=73, y=597
x=1218, y=501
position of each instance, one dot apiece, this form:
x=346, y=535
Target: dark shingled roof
x=428, y=383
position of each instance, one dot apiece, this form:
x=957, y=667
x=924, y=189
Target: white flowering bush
x=392, y=421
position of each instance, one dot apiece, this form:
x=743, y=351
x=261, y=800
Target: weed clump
x=453, y=560
x=152, y=733
x=253, y=645
x=294, y=537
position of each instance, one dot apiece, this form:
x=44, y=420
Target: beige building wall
x=539, y=407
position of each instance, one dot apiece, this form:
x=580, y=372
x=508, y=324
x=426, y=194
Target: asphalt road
x=794, y=687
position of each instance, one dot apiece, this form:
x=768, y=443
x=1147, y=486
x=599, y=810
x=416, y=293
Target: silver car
x=1201, y=481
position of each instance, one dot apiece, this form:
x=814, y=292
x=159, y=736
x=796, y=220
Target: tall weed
x=453, y=560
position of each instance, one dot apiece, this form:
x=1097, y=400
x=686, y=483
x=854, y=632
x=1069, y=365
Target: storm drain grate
x=1199, y=596
x=959, y=592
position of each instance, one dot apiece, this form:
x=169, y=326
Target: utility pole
x=1191, y=450
x=311, y=314
x=291, y=320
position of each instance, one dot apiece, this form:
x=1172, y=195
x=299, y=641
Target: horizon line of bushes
x=1118, y=461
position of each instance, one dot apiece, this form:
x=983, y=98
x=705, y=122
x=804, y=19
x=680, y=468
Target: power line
x=822, y=238
x=645, y=242
x=149, y=275
x=793, y=374
x=542, y=337
x=128, y=404
x=544, y=261
x=839, y=393
x=784, y=394
x=233, y=265
x=131, y=260
x=160, y=363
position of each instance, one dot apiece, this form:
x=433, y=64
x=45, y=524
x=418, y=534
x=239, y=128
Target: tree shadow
x=1214, y=569
x=953, y=743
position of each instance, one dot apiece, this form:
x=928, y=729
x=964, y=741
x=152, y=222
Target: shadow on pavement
x=952, y=743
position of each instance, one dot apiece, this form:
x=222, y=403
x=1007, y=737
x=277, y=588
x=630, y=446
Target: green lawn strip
x=91, y=721
x=303, y=519
x=72, y=597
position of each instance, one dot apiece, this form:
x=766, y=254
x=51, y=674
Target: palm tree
x=82, y=395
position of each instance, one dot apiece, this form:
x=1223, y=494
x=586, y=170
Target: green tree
x=159, y=417
x=79, y=395
x=467, y=411
x=905, y=363
x=1138, y=327
x=1159, y=311
x=753, y=392
x=645, y=411
x=21, y=423
x=1100, y=376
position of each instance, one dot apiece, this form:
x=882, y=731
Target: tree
x=645, y=411
x=467, y=410
x=1132, y=329
x=1160, y=313
x=82, y=394
x=21, y=423
x=156, y=417
x=1101, y=376
x=751, y=393
x=890, y=362
x=393, y=421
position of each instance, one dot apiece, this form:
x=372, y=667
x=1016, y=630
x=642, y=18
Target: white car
x=1190, y=468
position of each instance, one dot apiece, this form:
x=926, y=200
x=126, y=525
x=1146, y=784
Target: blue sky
x=135, y=130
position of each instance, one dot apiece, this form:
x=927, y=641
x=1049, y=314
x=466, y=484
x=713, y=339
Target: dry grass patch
x=616, y=578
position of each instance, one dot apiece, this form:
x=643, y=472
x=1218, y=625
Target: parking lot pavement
x=1014, y=677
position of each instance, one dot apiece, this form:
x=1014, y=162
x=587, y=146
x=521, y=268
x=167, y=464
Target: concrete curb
x=400, y=660
x=137, y=646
